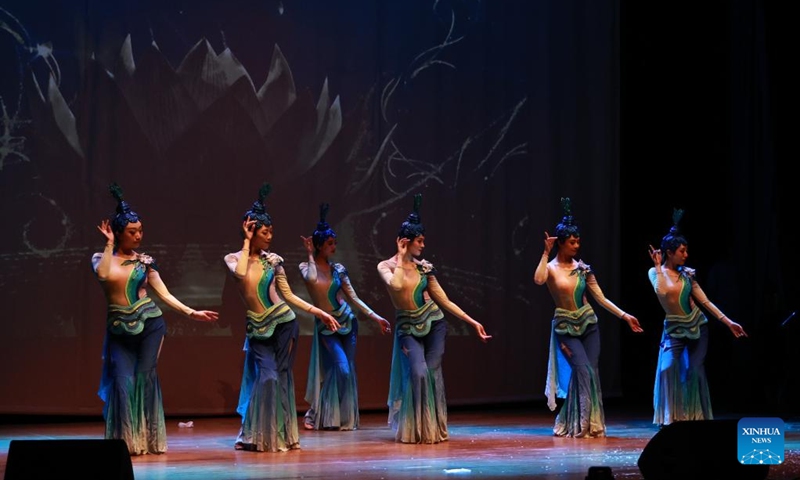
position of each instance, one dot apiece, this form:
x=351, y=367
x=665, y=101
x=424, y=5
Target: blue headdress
x=124, y=214
x=567, y=228
x=258, y=212
x=412, y=227
x=674, y=239
x=323, y=231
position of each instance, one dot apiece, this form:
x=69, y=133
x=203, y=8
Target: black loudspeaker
x=700, y=449
x=84, y=459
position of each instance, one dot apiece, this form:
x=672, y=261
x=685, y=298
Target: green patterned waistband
x=573, y=322
x=344, y=315
x=262, y=325
x=685, y=326
x=129, y=319
x=417, y=322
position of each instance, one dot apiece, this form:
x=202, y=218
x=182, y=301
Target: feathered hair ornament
x=124, y=214
x=677, y=214
x=567, y=227
x=258, y=211
x=674, y=239
x=412, y=227
x=323, y=231
x=566, y=206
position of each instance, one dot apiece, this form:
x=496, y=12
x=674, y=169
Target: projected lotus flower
x=190, y=145
x=203, y=127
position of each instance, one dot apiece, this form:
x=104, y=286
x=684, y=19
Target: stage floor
x=484, y=443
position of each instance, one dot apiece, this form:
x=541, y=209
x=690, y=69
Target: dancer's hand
x=329, y=321
x=655, y=255
x=105, y=229
x=248, y=228
x=633, y=322
x=482, y=333
x=384, y=324
x=736, y=329
x=548, y=243
x=308, y=244
x=402, y=247
x=204, y=315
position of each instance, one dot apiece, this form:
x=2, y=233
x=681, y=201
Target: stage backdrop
x=492, y=110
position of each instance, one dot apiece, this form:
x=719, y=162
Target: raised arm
x=283, y=286
x=655, y=274
x=154, y=279
x=656, y=277
x=597, y=294
x=392, y=276
x=309, y=269
x=541, y=273
x=101, y=264
x=437, y=294
x=237, y=264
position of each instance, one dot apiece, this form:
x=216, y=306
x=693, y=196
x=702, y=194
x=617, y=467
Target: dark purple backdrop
x=492, y=110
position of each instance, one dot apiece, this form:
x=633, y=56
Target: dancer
x=332, y=389
x=681, y=387
x=130, y=387
x=266, y=398
x=417, y=404
x=572, y=371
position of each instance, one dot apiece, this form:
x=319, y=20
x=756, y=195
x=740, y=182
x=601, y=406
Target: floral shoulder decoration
x=339, y=269
x=582, y=269
x=688, y=272
x=143, y=261
x=272, y=258
x=426, y=268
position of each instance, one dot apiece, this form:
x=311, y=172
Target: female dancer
x=266, y=397
x=332, y=389
x=575, y=338
x=130, y=387
x=681, y=388
x=417, y=404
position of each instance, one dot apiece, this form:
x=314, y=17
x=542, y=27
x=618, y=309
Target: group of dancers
x=133, y=408
x=681, y=388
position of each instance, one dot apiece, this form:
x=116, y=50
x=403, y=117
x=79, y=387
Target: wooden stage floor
x=484, y=443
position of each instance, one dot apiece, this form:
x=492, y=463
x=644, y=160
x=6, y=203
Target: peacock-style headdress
x=124, y=214
x=677, y=214
x=258, y=211
x=412, y=227
x=674, y=239
x=567, y=228
x=323, y=231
